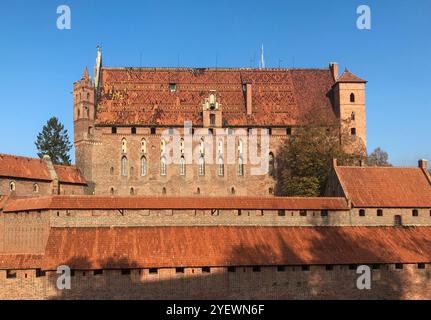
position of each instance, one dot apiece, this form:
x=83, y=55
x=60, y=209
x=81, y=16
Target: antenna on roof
x=262, y=59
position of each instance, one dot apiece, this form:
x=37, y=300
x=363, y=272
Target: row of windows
x=198, y=191
x=182, y=166
x=12, y=187
x=192, y=130
x=415, y=212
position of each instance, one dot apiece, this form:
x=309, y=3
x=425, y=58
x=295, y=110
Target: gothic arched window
x=240, y=167
x=220, y=170
x=201, y=166
x=352, y=97
x=124, y=165
x=182, y=166
x=163, y=166
x=271, y=166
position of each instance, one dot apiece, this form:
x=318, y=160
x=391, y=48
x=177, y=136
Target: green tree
x=54, y=141
x=305, y=159
x=378, y=158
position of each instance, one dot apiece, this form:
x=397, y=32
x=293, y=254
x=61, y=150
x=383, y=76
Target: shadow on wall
x=243, y=282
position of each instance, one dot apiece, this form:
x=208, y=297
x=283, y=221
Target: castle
x=138, y=217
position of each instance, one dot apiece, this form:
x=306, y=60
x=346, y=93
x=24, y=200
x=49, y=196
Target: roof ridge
x=17, y=156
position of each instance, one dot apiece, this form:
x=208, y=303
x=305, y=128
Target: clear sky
x=39, y=62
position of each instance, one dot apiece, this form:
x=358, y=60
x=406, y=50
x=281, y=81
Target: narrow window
x=182, y=146
x=353, y=131
x=124, y=145
x=329, y=267
x=12, y=186
x=206, y=269
x=172, y=87
x=163, y=166
x=143, y=166
x=240, y=147
x=220, y=167
x=132, y=191
x=111, y=171
x=179, y=270
x=212, y=119
x=240, y=170
x=303, y=213
x=415, y=212
x=35, y=188
x=153, y=130
x=201, y=166
x=111, y=191
x=305, y=268
x=163, y=190
x=162, y=146
x=362, y=213
x=232, y=190
x=202, y=146
x=270, y=190
x=324, y=213
x=398, y=220
x=281, y=213
x=220, y=147
x=198, y=190
x=352, y=97
x=133, y=130
x=256, y=269
x=143, y=146
x=231, y=269
x=379, y=212
x=271, y=164
x=353, y=116
x=281, y=268
x=398, y=265
x=114, y=130
x=182, y=166
x=124, y=164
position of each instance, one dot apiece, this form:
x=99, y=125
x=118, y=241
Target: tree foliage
x=378, y=158
x=54, y=141
x=305, y=159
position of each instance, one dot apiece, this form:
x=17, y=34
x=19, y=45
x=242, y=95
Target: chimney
x=423, y=164
x=333, y=66
x=249, y=101
x=55, y=183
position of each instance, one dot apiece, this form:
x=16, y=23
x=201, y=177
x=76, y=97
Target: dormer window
x=172, y=87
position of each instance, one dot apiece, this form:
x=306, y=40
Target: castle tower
x=349, y=103
x=212, y=111
x=83, y=122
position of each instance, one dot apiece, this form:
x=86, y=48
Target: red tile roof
x=385, y=186
x=69, y=174
x=36, y=169
x=151, y=247
x=141, y=96
x=23, y=167
x=347, y=76
x=105, y=202
x=20, y=261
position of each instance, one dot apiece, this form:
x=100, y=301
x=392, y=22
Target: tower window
x=212, y=119
x=352, y=97
x=353, y=131
x=124, y=164
x=124, y=145
x=172, y=87
x=143, y=166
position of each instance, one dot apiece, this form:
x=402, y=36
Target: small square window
x=379, y=212
x=324, y=213
x=398, y=266
x=10, y=274
x=172, y=87
x=125, y=272
x=329, y=267
x=114, y=130
x=281, y=213
x=362, y=213
x=281, y=268
x=133, y=130
x=353, y=131
x=415, y=213
x=303, y=213
x=206, y=270
x=376, y=266
x=421, y=265
x=231, y=269
x=289, y=131
x=305, y=268
x=179, y=270
x=153, y=130
x=153, y=271
x=40, y=273
x=256, y=269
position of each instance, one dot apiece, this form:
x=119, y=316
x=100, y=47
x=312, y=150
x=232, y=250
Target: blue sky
x=39, y=62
